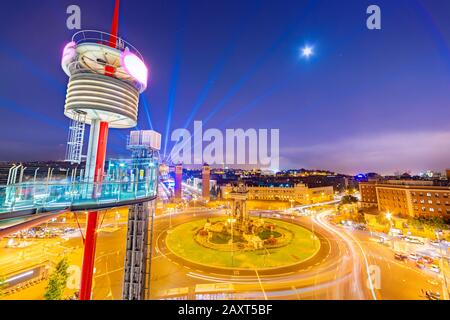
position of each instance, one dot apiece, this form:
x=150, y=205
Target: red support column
x=87, y=270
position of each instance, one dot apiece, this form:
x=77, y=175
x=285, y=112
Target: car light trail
x=319, y=220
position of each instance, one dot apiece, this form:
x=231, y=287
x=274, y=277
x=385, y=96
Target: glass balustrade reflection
x=132, y=180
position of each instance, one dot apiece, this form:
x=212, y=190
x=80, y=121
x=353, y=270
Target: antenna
x=115, y=26
x=110, y=70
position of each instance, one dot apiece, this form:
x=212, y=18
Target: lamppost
x=195, y=200
x=232, y=242
x=388, y=216
x=170, y=219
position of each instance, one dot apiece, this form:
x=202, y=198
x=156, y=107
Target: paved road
x=391, y=279
x=340, y=272
x=108, y=264
x=344, y=274
x=317, y=279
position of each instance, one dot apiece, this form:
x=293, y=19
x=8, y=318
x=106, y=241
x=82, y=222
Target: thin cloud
x=384, y=153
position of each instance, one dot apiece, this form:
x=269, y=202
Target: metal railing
x=43, y=196
x=100, y=37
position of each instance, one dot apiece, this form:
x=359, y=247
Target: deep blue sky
x=367, y=101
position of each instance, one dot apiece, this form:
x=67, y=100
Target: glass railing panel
x=63, y=195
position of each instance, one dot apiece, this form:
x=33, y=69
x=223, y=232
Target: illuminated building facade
x=408, y=198
x=299, y=193
x=368, y=193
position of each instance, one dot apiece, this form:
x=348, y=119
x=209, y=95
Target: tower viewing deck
x=126, y=183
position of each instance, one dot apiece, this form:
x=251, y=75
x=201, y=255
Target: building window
x=431, y=209
x=428, y=194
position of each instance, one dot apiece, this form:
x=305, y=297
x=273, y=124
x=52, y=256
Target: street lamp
x=388, y=216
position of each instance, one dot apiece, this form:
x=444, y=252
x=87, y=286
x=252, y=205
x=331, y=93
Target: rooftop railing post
x=10, y=174
x=35, y=175
x=51, y=173
x=22, y=170
x=15, y=173
x=47, y=181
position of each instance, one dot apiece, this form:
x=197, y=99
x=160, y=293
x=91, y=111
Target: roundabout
x=275, y=244
x=231, y=253
x=184, y=264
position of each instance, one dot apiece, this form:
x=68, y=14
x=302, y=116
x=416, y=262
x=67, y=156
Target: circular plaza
x=262, y=244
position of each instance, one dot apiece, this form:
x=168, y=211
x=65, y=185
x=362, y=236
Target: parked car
x=427, y=259
x=435, y=243
x=361, y=227
x=432, y=295
x=435, y=268
x=414, y=256
x=420, y=265
x=400, y=256
x=413, y=240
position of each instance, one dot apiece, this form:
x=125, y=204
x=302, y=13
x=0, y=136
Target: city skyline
x=365, y=101
x=253, y=151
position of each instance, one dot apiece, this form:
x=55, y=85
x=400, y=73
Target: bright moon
x=307, y=52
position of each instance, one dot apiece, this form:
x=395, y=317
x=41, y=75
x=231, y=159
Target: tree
x=349, y=199
x=431, y=222
x=58, y=281
x=381, y=219
x=2, y=287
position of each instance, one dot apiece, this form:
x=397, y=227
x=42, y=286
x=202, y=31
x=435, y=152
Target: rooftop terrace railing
x=45, y=197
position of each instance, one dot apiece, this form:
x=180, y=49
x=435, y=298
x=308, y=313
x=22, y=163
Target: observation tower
x=106, y=76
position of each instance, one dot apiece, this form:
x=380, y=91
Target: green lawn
x=182, y=243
